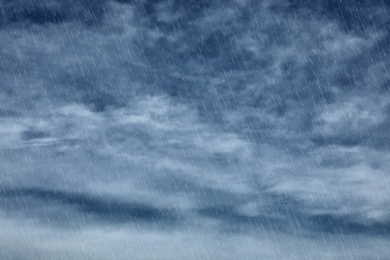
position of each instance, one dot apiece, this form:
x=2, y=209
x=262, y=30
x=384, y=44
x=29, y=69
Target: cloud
x=100, y=209
x=152, y=129
x=51, y=12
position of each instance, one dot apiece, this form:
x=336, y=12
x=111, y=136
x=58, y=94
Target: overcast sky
x=194, y=129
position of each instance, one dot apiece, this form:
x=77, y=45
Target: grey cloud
x=92, y=207
x=32, y=134
x=227, y=117
x=311, y=225
x=89, y=12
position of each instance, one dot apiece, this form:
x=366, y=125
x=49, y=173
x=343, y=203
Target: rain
x=194, y=129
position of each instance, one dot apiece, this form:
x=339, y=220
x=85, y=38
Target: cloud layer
x=194, y=129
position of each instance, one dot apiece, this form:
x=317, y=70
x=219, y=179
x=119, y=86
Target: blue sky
x=202, y=129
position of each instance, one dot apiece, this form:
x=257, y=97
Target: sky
x=184, y=129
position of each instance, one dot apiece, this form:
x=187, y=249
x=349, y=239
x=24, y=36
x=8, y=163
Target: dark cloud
x=352, y=15
x=32, y=134
x=316, y=225
x=344, y=225
x=338, y=140
x=89, y=12
x=97, y=207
